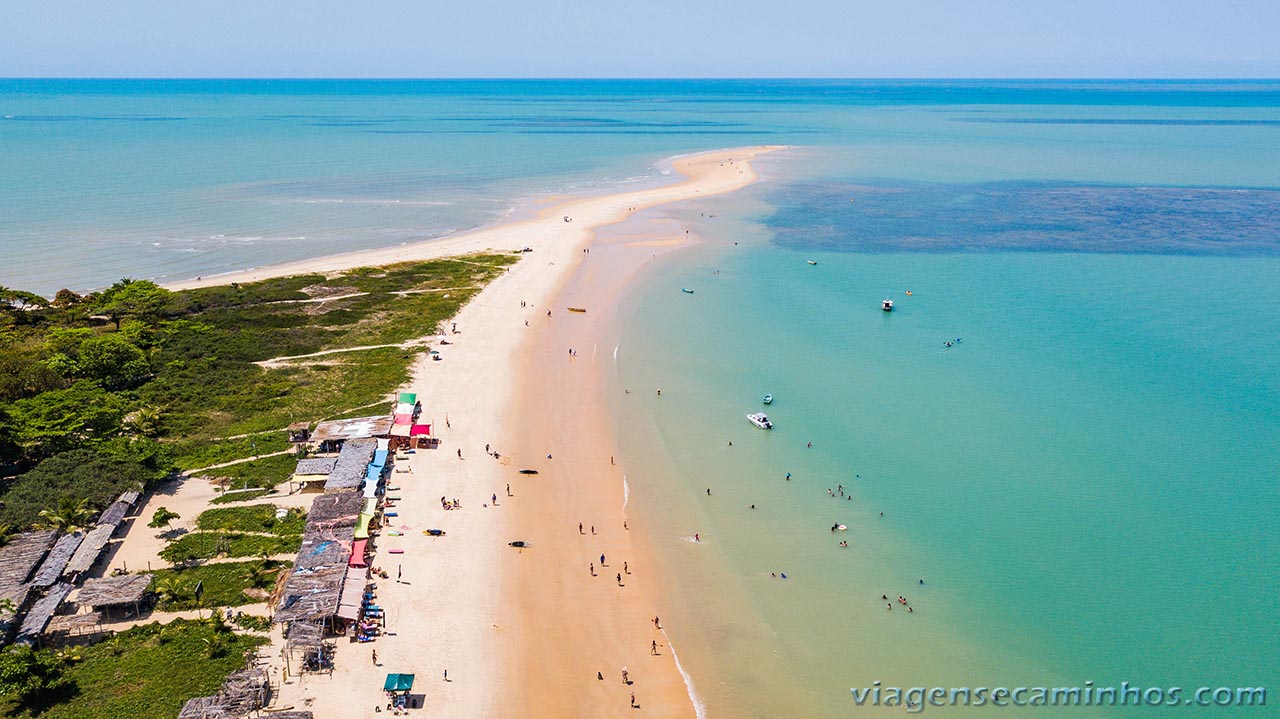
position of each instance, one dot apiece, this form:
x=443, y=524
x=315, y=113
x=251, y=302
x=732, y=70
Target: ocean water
x=1087, y=481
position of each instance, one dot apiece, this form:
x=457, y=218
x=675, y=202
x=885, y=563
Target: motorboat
x=768, y=399
x=686, y=290
x=887, y=305
x=812, y=262
x=760, y=420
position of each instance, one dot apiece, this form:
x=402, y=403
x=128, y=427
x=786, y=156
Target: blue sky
x=641, y=38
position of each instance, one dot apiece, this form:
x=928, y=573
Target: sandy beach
x=489, y=629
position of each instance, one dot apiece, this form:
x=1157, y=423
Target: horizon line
x=637, y=78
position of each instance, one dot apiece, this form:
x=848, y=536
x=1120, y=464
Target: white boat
x=887, y=305
x=768, y=399
x=812, y=262
x=760, y=420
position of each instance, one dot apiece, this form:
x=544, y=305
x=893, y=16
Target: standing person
x=633, y=699
x=619, y=579
x=446, y=675
x=375, y=657
x=624, y=568
x=459, y=453
x=593, y=569
x=653, y=647
x=602, y=561
x=580, y=528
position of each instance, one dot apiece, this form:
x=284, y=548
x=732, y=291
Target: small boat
x=518, y=544
x=528, y=471
x=686, y=290
x=887, y=305
x=768, y=399
x=433, y=532
x=577, y=309
x=760, y=420
x=812, y=262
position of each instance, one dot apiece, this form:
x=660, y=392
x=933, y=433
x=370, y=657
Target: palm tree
x=68, y=515
x=6, y=534
x=170, y=589
x=259, y=575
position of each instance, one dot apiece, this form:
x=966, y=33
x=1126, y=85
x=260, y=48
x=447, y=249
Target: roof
x=317, y=465
x=56, y=560
x=204, y=708
x=298, y=426
x=115, y=514
x=335, y=508
x=357, y=428
x=350, y=469
x=71, y=622
x=89, y=550
x=112, y=591
x=304, y=635
x=310, y=594
x=20, y=556
x=42, y=611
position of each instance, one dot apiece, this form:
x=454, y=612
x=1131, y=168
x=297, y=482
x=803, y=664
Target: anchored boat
x=887, y=305
x=768, y=399
x=760, y=420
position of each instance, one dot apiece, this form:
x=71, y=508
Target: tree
x=259, y=574
x=146, y=421
x=26, y=674
x=171, y=589
x=81, y=474
x=137, y=299
x=66, y=298
x=58, y=420
x=113, y=361
x=162, y=518
x=68, y=515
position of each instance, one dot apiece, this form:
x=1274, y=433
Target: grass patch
x=256, y=518
x=264, y=473
x=205, y=451
x=211, y=545
x=224, y=584
x=146, y=672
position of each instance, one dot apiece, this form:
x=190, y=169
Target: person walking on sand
x=602, y=561
x=633, y=700
x=593, y=569
x=626, y=678
x=619, y=579
x=593, y=529
x=580, y=528
x=459, y=453
x=375, y=657
x=624, y=568
x=653, y=648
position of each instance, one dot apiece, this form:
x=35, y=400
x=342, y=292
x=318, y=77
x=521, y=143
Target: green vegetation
x=255, y=518
x=210, y=545
x=264, y=473
x=146, y=672
x=224, y=584
x=163, y=517
x=118, y=389
x=253, y=623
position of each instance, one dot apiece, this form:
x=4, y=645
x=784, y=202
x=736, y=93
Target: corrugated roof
x=347, y=429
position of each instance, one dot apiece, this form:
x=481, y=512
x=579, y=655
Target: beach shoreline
x=491, y=629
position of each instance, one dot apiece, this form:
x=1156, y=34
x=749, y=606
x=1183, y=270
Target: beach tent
x=370, y=507
x=420, y=430
x=384, y=444
x=406, y=408
x=408, y=397
x=357, y=553
x=402, y=419
x=370, y=489
x=398, y=683
x=362, y=530
x=380, y=457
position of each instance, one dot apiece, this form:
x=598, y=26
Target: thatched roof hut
x=352, y=465
x=304, y=636
x=22, y=554
x=293, y=715
x=90, y=549
x=74, y=623
x=56, y=560
x=316, y=466
x=204, y=708
x=335, y=508
x=245, y=691
x=310, y=594
x=122, y=590
x=34, y=623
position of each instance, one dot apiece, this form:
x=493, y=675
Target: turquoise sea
x=1087, y=479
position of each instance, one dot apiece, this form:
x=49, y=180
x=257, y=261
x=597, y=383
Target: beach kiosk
x=397, y=687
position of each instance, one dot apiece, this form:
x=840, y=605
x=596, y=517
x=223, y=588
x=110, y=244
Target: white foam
x=699, y=706
x=626, y=492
